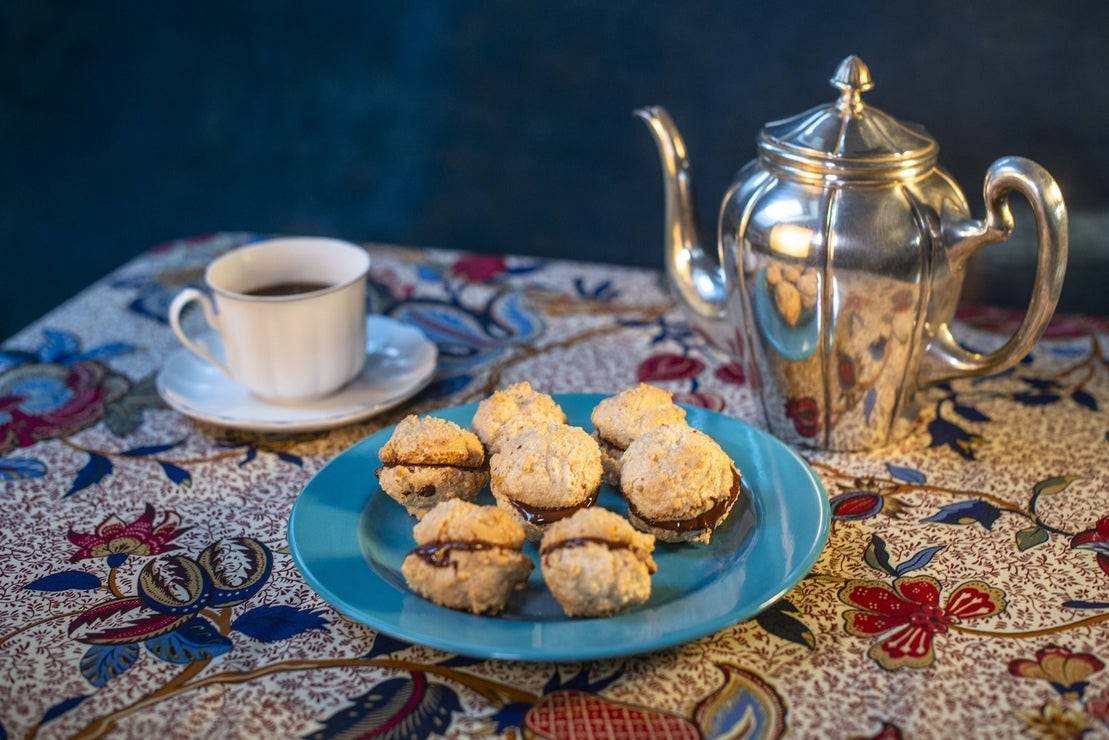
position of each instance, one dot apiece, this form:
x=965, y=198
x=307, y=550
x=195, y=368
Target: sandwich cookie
x=546, y=473
x=678, y=483
x=596, y=564
x=467, y=557
x=430, y=460
x=623, y=418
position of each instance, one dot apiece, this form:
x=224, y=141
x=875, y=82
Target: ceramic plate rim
x=174, y=401
x=734, y=615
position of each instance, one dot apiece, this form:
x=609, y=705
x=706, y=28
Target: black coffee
x=290, y=288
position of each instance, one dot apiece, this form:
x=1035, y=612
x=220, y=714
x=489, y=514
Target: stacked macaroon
x=467, y=557
x=625, y=417
x=596, y=564
x=509, y=410
x=542, y=469
x=678, y=483
x=431, y=460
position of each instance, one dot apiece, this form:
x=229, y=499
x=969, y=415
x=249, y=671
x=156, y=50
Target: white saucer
x=400, y=362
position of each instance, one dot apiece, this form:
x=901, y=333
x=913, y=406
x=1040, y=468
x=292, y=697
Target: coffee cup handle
x=946, y=358
x=177, y=307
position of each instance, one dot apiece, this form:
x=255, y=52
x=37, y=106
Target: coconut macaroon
x=678, y=483
x=623, y=418
x=508, y=410
x=596, y=564
x=546, y=473
x=430, y=460
x=467, y=557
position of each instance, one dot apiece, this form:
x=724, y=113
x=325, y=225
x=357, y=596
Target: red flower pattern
x=731, y=373
x=1006, y=321
x=668, y=366
x=480, y=268
x=1097, y=539
x=856, y=505
x=1098, y=707
x=141, y=536
x=805, y=414
x=908, y=615
x=704, y=399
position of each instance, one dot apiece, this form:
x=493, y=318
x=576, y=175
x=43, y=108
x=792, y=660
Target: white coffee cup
x=285, y=347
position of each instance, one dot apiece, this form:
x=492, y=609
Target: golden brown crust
x=623, y=418
x=675, y=473
x=461, y=521
x=601, y=524
x=551, y=466
x=432, y=441
x=610, y=461
x=510, y=409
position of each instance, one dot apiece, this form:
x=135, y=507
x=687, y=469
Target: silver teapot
x=841, y=251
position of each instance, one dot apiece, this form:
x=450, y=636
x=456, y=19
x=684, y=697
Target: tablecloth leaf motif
x=745, y=706
x=195, y=640
x=62, y=707
x=1030, y=537
x=66, y=580
x=396, y=708
x=122, y=620
x=101, y=663
x=95, y=469
x=125, y=416
x=782, y=620
x=273, y=622
x=966, y=512
x=21, y=468
x=996, y=499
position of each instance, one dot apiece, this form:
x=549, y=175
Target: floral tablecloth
x=964, y=590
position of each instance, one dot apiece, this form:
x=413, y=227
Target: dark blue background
x=495, y=126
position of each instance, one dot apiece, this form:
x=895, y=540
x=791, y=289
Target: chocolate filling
x=483, y=466
x=706, y=520
x=580, y=541
x=540, y=516
x=438, y=554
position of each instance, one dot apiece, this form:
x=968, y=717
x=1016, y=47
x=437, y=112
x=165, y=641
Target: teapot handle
x=946, y=358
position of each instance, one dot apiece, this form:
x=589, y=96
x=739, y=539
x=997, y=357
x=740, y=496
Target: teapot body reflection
x=840, y=256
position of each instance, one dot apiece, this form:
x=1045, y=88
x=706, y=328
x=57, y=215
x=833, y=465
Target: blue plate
x=348, y=540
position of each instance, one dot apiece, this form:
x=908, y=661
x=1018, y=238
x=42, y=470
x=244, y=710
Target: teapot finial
x=852, y=78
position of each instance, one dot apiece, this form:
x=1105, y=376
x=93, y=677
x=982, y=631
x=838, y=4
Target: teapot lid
x=848, y=139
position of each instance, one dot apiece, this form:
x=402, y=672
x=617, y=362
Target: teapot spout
x=695, y=273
